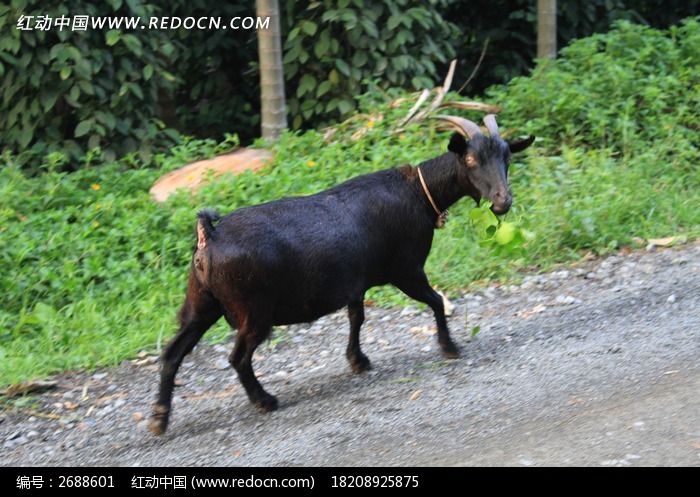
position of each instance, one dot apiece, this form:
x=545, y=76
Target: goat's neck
x=441, y=178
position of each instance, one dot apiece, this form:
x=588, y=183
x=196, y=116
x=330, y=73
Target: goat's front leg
x=358, y=361
x=418, y=288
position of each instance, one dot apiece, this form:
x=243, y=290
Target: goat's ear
x=516, y=146
x=457, y=144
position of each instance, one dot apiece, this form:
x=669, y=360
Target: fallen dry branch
x=28, y=387
x=421, y=100
x=441, y=92
x=489, y=108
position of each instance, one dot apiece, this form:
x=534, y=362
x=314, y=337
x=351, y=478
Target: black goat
x=296, y=259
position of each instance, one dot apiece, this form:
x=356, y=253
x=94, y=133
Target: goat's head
x=485, y=160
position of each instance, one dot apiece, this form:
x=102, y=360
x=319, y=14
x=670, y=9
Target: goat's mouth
x=500, y=209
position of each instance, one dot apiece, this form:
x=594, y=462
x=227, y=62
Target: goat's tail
x=205, y=226
x=206, y=232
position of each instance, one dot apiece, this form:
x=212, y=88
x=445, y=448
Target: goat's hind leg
x=199, y=312
x=358, y=361
x=241, y=358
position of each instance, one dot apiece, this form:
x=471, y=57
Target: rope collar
x=442, y=215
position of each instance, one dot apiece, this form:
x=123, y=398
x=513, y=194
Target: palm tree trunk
x=547, y=29
x=273, y=115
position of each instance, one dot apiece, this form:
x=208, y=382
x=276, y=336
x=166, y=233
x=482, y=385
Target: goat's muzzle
x=501, y=202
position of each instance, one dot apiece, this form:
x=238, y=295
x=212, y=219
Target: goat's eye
x=470, y=161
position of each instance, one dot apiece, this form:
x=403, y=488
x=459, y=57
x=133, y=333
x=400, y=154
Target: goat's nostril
x=501, y=196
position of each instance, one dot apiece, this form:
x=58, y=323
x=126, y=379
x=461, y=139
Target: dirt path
x=595, y=365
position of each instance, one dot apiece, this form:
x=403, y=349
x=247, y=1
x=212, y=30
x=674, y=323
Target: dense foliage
x=619, y=117
x=127, y=91
x=94, y=270
x=510, y=26
x=77, y=90
x=335, y=48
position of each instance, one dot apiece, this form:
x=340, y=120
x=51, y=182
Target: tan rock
x=194, y=175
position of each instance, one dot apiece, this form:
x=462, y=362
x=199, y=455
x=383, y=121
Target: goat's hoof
x=450, y=351
x=159, y=420
x=360, y=364
x=157, y=426
x=266, y=403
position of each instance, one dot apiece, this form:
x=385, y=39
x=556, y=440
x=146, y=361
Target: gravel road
x=594, y=364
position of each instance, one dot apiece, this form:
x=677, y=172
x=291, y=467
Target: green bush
x=335, y=49
x=124, y=91
x=625, y=90
x=94, y=270
x=511, y=28
x=70, y=91
x=618, y=116
x=218, y=87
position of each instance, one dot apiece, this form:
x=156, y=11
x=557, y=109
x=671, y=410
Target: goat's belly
x=310, y=298
x=293, y=286
x=304, y=312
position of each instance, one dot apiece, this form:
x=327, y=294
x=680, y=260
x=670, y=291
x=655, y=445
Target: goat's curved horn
x=490, y=122
x=463, y=126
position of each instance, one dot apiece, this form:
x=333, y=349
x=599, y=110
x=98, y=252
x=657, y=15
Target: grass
x=94, y=270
